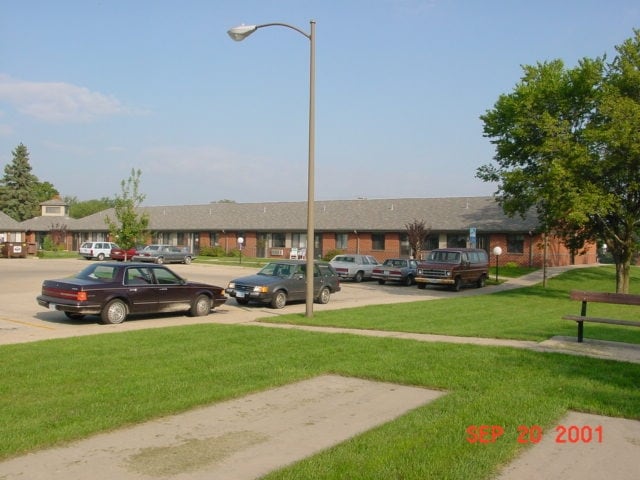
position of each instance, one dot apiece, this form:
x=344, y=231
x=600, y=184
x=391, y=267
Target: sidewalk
x=623, y=352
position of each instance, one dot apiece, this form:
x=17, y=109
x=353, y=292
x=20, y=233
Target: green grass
x=58, y=254
x=60, y=390
x=531, y=313
x=56, y=391
x=256, y=262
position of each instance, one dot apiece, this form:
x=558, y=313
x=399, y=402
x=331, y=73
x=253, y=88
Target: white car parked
x=99, y=250
x=350, y=266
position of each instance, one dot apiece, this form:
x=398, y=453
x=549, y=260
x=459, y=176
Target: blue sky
x=96, y=88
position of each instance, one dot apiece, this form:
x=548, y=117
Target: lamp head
x=241, y=32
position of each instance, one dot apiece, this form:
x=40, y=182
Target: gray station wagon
x=164, y=254
x=283, y=281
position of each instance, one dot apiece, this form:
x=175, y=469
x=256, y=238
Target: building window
x=482, y=241
x=515, y=243
x=457, y=240
x=52, y=210
x=278, y=240
x=181, y=238
x=299, y=240
x=405, y=248
x=342, y=241
x=431, y=242
x=213, y=239
x=377, y=241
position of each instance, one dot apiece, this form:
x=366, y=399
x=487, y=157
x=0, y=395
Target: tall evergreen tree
x=19, y=187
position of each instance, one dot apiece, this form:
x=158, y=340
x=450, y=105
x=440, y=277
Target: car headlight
x=448, y=273
x=231, y=285
x=260, y=289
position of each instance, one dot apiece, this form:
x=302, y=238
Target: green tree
x=568, y=150
x=129, y=228
x=45, y=191
x=80, y=209
x=19, y=187
x=417, y=234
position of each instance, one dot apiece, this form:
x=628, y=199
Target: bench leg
x=580, y=331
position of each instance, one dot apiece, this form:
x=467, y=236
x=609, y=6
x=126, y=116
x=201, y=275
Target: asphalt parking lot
x=22, y=320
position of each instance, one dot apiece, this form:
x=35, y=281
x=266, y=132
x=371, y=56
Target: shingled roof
x=441, y=214
x=8, y=224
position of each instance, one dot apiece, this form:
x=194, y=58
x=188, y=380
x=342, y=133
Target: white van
x=99, y=250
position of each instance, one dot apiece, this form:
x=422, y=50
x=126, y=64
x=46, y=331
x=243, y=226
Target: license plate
x=386, y=273
x=52, y=306
x=239, y=294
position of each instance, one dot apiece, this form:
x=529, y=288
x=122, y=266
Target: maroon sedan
x=121, y=254
x=114, y=290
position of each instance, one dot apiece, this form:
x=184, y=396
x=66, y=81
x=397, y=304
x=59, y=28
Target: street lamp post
x=240, y=243
x=240, y=33
x=497, y=251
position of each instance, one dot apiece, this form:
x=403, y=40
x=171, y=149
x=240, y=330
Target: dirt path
x=239, y=439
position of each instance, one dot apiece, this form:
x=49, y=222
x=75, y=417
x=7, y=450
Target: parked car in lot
x=402, y=270
x=115, y=290
x=120, y=254
x=354, y=266
x=159, y=253
x=282, y=281
x=454, y=267
x=98, y=250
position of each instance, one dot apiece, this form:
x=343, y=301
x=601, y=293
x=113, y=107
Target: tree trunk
x=623, y=271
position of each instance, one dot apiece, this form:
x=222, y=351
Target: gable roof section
x=441, y=214
x=9, y=224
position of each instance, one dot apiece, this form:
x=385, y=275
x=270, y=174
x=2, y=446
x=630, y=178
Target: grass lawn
x=60, y=390
x=531, y=313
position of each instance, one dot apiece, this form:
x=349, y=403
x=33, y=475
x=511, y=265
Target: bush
x=330, y=254
x=216, y=251
x=50, y=246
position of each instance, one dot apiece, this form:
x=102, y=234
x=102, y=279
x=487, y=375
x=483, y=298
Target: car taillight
x=81, y=296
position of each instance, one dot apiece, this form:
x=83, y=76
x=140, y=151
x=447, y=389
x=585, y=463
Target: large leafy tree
x=567, y=146
x=129, y=227
x=20, y=191
x=80, y=209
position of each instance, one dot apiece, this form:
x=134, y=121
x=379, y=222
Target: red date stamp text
x=484, y=434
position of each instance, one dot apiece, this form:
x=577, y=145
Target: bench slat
x=579, y=318
x=604, y=297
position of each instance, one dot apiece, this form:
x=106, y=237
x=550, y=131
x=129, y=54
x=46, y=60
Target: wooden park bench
x=600, y=297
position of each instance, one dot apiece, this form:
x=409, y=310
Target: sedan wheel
x=187, y=260
x=201, y=306
x=408, y=281
x=279, y=299
x=324, y=296
x=114, y=312
x=160, y=260
x=358, y=277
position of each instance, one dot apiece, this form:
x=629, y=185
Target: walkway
x=623, y=352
